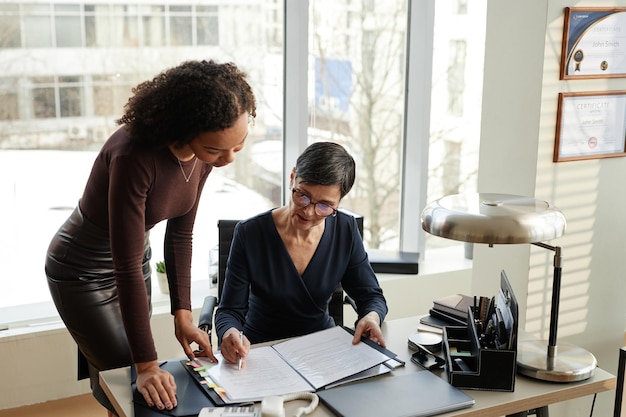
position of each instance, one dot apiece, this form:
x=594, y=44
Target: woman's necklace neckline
x=185, y=176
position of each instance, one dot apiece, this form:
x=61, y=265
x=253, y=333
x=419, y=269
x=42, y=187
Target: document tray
x=472, y=361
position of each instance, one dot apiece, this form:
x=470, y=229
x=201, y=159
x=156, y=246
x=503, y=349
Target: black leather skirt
x=79, y=268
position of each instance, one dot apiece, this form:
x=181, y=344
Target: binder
x=195, y=397
x=417, y=394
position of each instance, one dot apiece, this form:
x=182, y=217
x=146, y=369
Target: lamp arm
x=556, y=296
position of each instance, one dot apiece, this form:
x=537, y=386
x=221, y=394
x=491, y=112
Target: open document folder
x=301, y=364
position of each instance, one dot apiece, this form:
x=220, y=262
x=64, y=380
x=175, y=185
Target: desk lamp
x=505, y=219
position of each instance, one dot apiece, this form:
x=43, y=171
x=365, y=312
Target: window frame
x=420, y=29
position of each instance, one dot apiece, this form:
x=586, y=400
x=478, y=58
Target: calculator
x=247, y=411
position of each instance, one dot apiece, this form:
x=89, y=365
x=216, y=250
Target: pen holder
x=470, y=363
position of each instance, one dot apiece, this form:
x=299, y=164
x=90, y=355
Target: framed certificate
x=590, y=125
x=594, y=43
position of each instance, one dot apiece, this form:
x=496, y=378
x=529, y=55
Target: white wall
x=42, y=365
x=521, y=85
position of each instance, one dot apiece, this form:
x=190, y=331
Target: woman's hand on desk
x=156, y=385
x=235, y=346
x=187, y=333
x=369, y=326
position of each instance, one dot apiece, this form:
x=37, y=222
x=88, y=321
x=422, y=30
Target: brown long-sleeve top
x=129, y=191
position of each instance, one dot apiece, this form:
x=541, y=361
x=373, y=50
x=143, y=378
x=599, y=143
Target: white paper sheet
x=301, y=364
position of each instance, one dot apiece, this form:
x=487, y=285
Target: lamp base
x=569, y=363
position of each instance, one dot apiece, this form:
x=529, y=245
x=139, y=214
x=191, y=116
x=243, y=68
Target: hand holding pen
x=235, y=347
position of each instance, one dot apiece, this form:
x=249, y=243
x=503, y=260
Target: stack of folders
x=452, y=310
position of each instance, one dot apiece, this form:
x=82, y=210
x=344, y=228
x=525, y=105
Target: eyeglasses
x=302, y=200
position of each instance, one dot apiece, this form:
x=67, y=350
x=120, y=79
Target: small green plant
x=160, y=266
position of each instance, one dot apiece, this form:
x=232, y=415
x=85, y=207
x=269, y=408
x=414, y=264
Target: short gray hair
x=326, y=163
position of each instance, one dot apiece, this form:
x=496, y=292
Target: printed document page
x=327, y=356
x=264, y=374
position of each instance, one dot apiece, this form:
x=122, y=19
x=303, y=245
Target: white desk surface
x=529, y=393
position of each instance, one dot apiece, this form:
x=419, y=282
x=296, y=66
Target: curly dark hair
x=181, y=102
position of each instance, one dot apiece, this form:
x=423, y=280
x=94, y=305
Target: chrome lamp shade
x=496, y=219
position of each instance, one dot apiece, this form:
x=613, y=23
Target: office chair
x=226, y=230
x=620, y=405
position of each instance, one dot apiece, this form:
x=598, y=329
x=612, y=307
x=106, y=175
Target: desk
x=529, y=393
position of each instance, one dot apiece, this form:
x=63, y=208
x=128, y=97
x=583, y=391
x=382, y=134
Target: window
x=70, y=96
x=128, y=19
x=67, y=25
x=10, y=36
x=461, y=6
x=57, y=113
x=359, y=102
x=97, y=25
x=43, y=97
x=103, y=103
x=207, y=25
x=153, y=21
x=181, y=26
x=8, y=99
x=37, y=26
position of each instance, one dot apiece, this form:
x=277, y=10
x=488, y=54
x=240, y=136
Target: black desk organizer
x=470, y=364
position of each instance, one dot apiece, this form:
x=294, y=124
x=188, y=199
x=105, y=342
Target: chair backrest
x=226, y=229
x=620, y=398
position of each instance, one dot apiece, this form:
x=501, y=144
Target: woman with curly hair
x=175, y=129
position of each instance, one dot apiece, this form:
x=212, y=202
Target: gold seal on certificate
x=578, y=58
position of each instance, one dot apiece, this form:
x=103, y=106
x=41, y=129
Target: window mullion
x=295, y=98
x=421, y=23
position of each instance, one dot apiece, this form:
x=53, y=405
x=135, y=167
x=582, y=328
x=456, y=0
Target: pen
x=241, y=339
